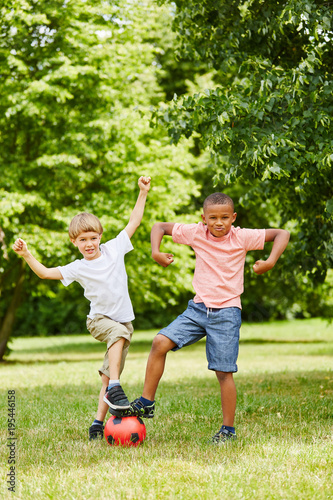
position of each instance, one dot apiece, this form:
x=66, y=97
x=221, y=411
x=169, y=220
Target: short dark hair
x=218, y=199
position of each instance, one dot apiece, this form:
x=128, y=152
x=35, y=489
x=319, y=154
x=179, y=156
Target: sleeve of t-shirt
x=121, y=243
x=69, y=272
x=253, y=239
x=184, y=233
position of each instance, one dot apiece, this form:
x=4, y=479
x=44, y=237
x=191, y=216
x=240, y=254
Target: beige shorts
x=106, y=330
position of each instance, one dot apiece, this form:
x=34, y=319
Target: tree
x=267, y=120
x=77, y=79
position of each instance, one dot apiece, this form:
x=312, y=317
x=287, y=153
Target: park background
x=203, y=96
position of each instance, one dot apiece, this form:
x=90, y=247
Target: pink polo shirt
x=219, y=269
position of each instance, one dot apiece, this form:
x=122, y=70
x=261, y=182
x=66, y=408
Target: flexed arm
x=280, y=238
x=51, y=273
x=158, y=231
x=137, y=214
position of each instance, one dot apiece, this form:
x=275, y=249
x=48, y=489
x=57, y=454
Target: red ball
x=125, y=431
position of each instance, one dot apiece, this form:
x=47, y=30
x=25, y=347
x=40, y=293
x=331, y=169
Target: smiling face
x=88, y=244
x=219, y=219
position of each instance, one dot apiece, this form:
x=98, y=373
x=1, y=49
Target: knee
x=224, y=376
x=105, y=380
x=161, y=345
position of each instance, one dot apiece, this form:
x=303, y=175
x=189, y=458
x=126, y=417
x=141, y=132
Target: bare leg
x=115, y=353
x=228, y=397
x=155, y=365
x=102, y=406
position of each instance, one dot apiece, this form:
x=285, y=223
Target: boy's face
x=219, y=219
x=88, y=244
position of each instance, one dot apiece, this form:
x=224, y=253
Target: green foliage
x=267, y=121
x=78, y=79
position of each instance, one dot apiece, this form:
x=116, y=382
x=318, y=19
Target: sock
x=145, y=401
x=113, y=383
x=230, y=429
x=100, y=422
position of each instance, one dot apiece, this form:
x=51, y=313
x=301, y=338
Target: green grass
x=284, y=420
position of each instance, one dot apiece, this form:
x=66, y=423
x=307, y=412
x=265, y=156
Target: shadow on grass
x=90, y=349
x=137, y=346
x=282, y=341
x=145, y=345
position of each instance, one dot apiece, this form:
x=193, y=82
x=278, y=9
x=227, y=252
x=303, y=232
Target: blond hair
x=84, y=223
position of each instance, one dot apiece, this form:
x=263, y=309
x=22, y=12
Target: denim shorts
x=219, y=326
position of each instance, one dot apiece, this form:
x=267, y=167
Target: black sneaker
x=121, y=413
x=96, y=431
x=116, y=398
x=223, y=436
x=138, y=409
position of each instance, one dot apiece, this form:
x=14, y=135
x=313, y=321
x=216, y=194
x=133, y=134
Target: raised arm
x=50, y=273
x=157, y=232
x=137, y=214
x=280, y=238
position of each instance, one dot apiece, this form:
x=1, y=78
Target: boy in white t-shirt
x=102, y=275
x=215, y=312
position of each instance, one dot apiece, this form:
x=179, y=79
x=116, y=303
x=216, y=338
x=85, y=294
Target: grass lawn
x=284, y=420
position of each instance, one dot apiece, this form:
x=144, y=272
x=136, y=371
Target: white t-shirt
x=104, y=280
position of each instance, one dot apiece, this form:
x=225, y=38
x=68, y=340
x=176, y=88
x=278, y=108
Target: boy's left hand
x=20, y=247
x=144, y=183
x=262, y=266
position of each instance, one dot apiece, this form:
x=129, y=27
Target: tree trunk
x=8, y=322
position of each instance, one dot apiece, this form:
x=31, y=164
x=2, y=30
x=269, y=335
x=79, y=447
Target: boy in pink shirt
x=215, y=312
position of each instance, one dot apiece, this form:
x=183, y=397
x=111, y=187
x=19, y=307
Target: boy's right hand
x=164, y=259
x=20, y=247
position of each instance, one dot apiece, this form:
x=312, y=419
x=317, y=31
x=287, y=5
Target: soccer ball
x=125, y=431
